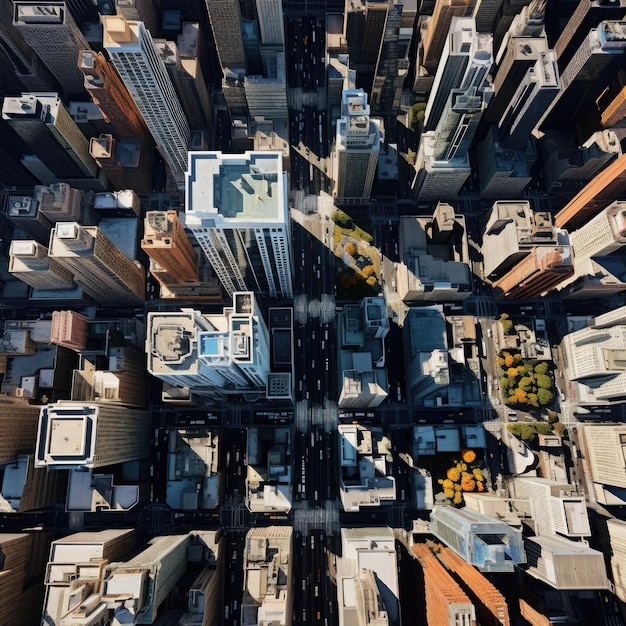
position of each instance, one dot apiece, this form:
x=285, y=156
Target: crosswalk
x=306, y=518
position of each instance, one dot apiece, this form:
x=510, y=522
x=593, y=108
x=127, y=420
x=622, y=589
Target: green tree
x=541, y=368
x=341, y=218
x=525, y=432
x=544, y=381
x=533, y=400
x=543, y=428
x=525, y=383
x=545, y=396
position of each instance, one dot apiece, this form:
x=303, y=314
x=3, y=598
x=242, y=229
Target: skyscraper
x=588, y=14
x=225, y=17
x=165, y=242
x=18, y=424
x=455, y=56
x=73, y=434
x=271, y=22
x=541, y=271
x=357, y=147
x=526, y=91
x=111, y=96
x=136, y=60
x=45, y=126
x=29, y=261
x=442, y=163
x=586, y=76
x=606, y=187
x=236, y=207
x=69, y=329
x=213, y=355
x=52, y=33
x=100, y=268
x=438, y=28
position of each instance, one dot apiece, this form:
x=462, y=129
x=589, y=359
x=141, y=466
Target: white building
x=140, y=67
x=237, y=209
x=365, y=464
x=593, y=360
x=267, y=562
x=367, y=577
x=357, y=147
x=49, y=29
x=216, y=354
x=557, y=507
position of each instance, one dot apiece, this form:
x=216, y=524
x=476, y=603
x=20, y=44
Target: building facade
x=237, y=209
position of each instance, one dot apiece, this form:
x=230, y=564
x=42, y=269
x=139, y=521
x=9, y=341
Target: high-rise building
x=606, y=187
x=599, y=261
x=569, y=165
x=236, y=208
x=392, y=65
x=140, y=11
x=442, y=163
x=271, y=22
x=446, y=602
x=18, y=424
x=29, y=261
x=357, y=147
x=23, y=212
x=61, y=203
x=617, y=536
x=100, y=268
x=69, y=329
x=596, y=61
x=73, y=434
x=503, y=172
x=188, y=80
x=225, y=18
x=566, y=565
x=602, y=235
x=367, y=576
x=80, y=559
x=137, y=61
x=511, y=232
x=49, y=132
x=490, y=545
x=267, y=563
x=127, y=164
x=541, y=271
x=111, y=96
x=16, y=549
x=534, y=93
x=491, y=606
x=593, y=368
x=215, y=355
x=588, y=14
x=148, y=577
x=557, y=507
x=165, y=242
x=50, y=30
x=455, y=57
x=438, y=27
x=485, y=14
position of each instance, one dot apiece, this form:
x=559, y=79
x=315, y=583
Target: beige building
x=604, y=447
x=267, y=563
x=100, y=268
x=29, y=261
x=69, y=329
x=73, y=434
x=173, y=259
